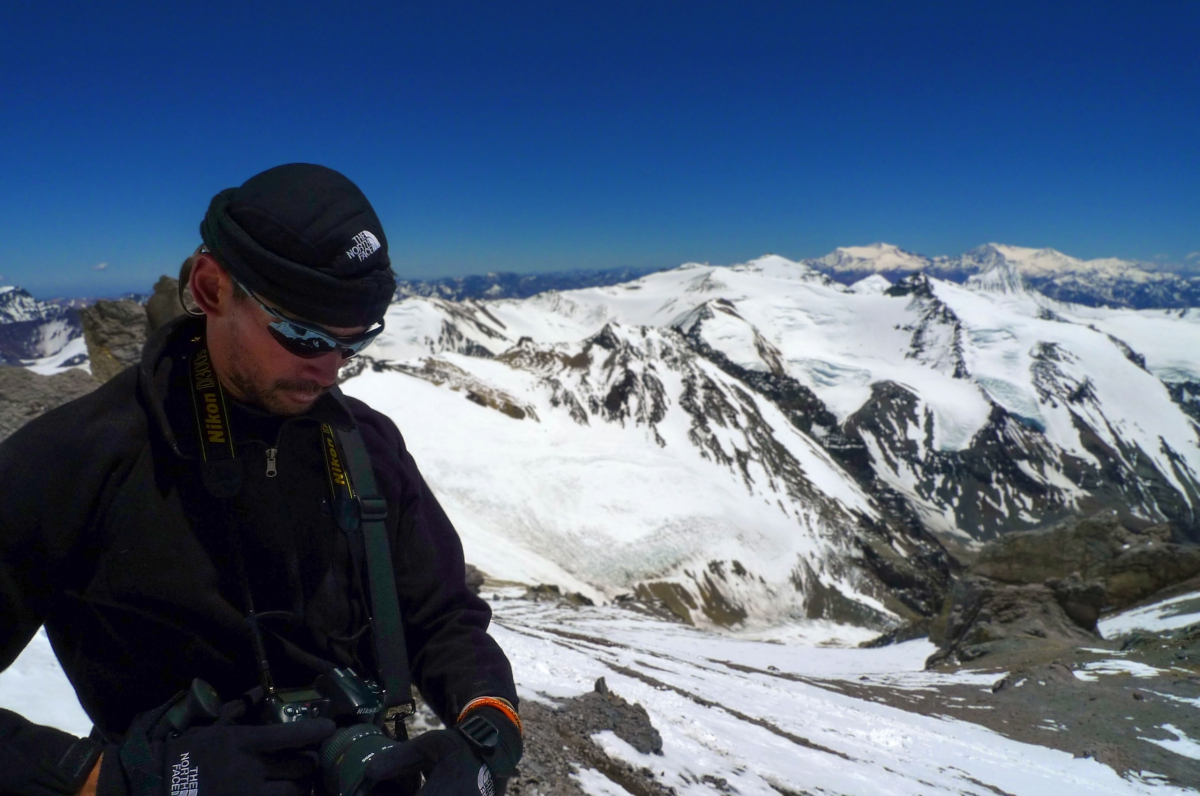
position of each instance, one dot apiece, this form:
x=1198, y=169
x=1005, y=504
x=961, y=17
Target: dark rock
x=918, y=628
x=543, y=591
x=1131, y=564
x=558, y=741
x=24, y=394
x=115, y=332
x=475, y=578
x=913, y=285
x=1081, y=600
x=985, y=616
x=164, y=305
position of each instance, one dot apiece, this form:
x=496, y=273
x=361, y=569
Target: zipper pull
x=271, y=471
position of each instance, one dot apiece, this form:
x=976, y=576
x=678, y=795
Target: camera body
x=356, y=706
x=340, y=695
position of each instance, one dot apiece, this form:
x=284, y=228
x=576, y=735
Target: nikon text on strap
x=347, y=464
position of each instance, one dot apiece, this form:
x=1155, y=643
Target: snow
x=1158, y=617
x=1089, y=672
x=871, y=285
x=49, y=365
x=600, y=505
x=1180, y=745
x=36, y=687
x=594, y=783
x=599, y=508
x=878, y=257
x=767, y=717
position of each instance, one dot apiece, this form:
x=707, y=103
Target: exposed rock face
x=475, y=578
x=986, y=617
x=1049, y=586
x=24, y=394
x=558, y=741
x=115, y=332
x=164, y=305
x=1130, y=564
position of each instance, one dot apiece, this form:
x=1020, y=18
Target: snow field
x=598, y=508
x=756, y=714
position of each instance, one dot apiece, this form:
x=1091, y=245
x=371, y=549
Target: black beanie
x=306, y=238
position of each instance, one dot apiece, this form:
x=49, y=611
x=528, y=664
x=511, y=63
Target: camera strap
x=357, y=505
x=347, y=446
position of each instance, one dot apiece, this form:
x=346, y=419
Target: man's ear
x=211, y=285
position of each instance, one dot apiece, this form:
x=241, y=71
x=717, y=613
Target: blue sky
x=532, y=136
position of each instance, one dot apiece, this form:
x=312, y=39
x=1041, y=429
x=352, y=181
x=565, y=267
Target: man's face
x=266, y=374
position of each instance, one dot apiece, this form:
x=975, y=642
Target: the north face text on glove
x=484, y=781
x=184, y=776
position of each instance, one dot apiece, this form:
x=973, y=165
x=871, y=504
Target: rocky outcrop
x=115, y=332
x=1048, y=587
x=558, y=741
x=163, y=305
x=24, y=394
x=1131, y=564
x=475, y=579
x=984, y=617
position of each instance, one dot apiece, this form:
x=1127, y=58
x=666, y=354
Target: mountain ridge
x=916, y=419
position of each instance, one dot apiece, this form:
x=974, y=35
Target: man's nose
x=324, y=369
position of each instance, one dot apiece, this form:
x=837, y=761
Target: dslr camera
x=356, y=705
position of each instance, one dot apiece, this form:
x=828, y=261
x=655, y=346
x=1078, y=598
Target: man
x=184, y=521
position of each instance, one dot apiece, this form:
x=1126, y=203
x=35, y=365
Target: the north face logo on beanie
x=365, y=244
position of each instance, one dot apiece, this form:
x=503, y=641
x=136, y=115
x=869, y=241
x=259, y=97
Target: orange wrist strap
x=502, y=705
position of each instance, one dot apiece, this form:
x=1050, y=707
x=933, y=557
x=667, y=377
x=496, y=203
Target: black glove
x=220, y=760
x=470, y=760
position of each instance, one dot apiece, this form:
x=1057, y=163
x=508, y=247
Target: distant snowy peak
x=886, y=258
x=1046, y=262
x=16, y=305
x=877, y=258
x=32, y=329
x=1001, y=276
x=1107, y=281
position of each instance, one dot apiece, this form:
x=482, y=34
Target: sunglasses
x=309, y=341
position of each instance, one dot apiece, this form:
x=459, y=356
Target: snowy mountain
x=32, y=329
x=1104, y=282
x=759, y=442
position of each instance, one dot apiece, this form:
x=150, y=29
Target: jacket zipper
x=271, y=453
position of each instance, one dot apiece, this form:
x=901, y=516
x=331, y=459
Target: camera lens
x=345, y=755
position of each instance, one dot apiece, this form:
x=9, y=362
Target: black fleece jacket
x=108, y=537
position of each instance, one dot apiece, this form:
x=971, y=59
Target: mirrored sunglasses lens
x=302, y=346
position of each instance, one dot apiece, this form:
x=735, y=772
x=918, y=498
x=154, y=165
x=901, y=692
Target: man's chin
x=291, y=402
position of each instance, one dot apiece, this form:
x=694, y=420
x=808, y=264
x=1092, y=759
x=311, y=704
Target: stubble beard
x=246, y=381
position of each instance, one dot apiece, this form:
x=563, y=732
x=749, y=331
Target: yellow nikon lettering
x=335, y=464
x=213, y=427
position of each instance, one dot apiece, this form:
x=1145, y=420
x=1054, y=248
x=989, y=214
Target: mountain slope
x=757, y=442
x=32, y=329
